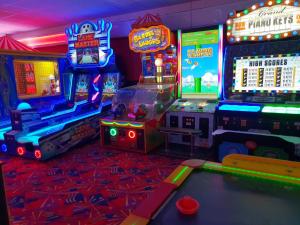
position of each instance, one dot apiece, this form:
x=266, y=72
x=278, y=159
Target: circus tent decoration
x=10, y=44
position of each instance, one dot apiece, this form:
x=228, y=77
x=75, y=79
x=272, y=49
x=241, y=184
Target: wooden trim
x=265, y=165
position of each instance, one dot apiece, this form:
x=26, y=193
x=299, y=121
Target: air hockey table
x=243, y=190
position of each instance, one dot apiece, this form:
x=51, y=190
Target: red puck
x=187, y=205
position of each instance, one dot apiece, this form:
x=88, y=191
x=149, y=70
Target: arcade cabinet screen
x=200, y=56
x=88, y=55
x=36, y=78
x=82, y=87
x=280, y=73
x=110, y=83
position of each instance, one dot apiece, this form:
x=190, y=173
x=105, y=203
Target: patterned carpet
x=88, y=185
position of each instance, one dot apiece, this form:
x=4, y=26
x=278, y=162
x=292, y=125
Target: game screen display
x=36, y=78
x=110, y=83
x=82, y=87
x=200, y=57
x=280, y=73
x=88, y=55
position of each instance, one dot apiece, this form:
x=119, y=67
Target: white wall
x=189, y=15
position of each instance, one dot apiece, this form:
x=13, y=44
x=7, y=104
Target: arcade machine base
x=43, y=140
x=194, y=115
x=264, y=145
x=258, y=129
x=130, y=135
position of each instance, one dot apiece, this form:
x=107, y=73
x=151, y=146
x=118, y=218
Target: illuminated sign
x=87, y=40
x=280, y=73
x=200, y=63
x=89, y=44
x=149, y=39
x=265, y=21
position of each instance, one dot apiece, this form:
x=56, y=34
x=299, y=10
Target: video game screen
x=280, y=73
x=88, y=55
x=110, y=83
x=200, y=62
x=82, y=87
x=266, y=58
x=36, y=78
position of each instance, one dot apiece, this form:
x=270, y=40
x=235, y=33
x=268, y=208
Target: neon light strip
x=180, y=174
x=122, y=124
x=45, y=40
x=240, y=108
x=250, y=172
x=65, y=111
x=220, y=62
x=36, y=135
x=179, y=38
x=279, y=110
x=71, y=84
x=3, y=131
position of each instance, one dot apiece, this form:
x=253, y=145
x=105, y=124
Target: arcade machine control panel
x=192, y=114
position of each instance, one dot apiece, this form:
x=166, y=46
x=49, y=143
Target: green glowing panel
x=113, y=132
x=180, y=174
x=281, y=110
x=250, y=172
x=123, y=124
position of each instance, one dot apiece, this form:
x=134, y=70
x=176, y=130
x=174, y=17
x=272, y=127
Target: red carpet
x=84, y=186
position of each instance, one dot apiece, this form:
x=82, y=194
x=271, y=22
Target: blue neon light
x=23, y=106
x=36, y=135
x=3, y=131
x=65, y=111
x=4, y=148
x=240, y=108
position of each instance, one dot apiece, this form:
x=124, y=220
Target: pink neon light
x=97, y=78
x=45, y=40
x=220, y=72
x=95, y=96
x=179, y=78
x=131, y=116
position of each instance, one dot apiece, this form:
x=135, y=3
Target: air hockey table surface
x=243, y=190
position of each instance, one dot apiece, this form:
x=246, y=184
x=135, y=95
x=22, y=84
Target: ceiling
x=27, y=15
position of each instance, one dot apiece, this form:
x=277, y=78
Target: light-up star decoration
x=89, y=44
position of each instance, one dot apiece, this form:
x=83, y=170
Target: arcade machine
x=260, y=111
x=38, y=137
x=138, y=110
x=21, y=89
x=200, y=66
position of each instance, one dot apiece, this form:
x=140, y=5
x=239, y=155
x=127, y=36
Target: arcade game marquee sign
x=150, y=39
x=89, y=44
x=265, y=21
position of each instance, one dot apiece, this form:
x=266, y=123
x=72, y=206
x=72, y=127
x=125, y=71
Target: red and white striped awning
x=10, y=44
